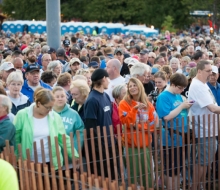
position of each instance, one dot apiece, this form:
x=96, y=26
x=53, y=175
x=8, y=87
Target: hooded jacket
x=24, y=133
x=72, y=123
x=23, y=103
x=7, y=132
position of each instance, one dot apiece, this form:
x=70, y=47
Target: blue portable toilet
x=88, y=27
x=71, y=27
x=125, y=30
x=19, y=26
x=41, y=27
x=118, y=27
x=103, y=28
x=79, y=27
x=64, y=28
x=32, y=28
x=12, y=27
x=5, y=26
x=148, y=32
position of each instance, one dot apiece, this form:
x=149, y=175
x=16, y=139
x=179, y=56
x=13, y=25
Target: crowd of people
x=121, y=80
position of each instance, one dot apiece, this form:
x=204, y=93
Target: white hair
x=175, y=60
x=53, y=64
x=139, y=69
x=15, y=76
x=6, y=102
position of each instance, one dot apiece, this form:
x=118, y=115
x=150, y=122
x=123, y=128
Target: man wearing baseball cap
x=214, y=85
x=66, y=46
x=74, y=66
x=5, y=69
x=32, y=81
x=98, y=111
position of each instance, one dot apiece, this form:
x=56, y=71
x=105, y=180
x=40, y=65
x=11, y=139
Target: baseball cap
x=118, y=50
x=144, y=51
x=73, y=60
x=60, y=52
x=154, y=70
x=23, y=47
x=99, y=74
x=131, y=61
x=192, y=64
x=66, y=42
x=6, y=66
x=32, y=67
x=210, y=53
x=93, y=64
x=198, y=48
x=51, y=50
x=214, y=69
x=93, y=48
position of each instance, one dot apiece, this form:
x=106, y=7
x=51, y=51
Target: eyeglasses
x=48, y=60
x=48, y=109
x=181, y=87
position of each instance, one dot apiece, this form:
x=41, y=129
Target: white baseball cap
x=6, y=66
x=198, y=48
x=214, y=69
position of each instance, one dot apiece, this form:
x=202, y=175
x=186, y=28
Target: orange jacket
x=128, y=115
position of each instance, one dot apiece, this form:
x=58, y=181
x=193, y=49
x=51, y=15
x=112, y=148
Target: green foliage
x=25, y=9
x=149, y=12
x=168, y=24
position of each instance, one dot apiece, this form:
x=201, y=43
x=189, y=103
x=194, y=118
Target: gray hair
x=36, y=45
x=139, y=69
x=53, y=64
x=173, y=60
x=45, y=49
x=15, y=76
x=116, y=92
x=6, y=102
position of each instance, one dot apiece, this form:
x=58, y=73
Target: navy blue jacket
x=215, y=92
x=26, y=90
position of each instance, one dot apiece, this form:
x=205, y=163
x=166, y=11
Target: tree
x=168, y=24
x=25, y=9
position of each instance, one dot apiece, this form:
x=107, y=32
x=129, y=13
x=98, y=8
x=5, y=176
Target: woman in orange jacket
x=134, y=110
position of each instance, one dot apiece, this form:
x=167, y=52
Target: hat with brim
x=74, y=60
x=7, y=66
x=93, y=64
x=32, y=67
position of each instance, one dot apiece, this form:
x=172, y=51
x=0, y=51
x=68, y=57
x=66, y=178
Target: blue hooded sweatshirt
x=72, y=123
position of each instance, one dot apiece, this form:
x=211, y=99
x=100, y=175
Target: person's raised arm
x=177, y=110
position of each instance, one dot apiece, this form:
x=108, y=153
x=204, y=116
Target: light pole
x=53, y=23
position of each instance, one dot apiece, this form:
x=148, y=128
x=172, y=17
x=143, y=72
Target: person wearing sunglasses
x=36, y=123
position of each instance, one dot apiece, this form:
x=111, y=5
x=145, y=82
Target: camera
x=154, y=95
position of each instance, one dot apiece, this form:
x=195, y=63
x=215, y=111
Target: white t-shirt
x=34, y=87
x=41, y=131
x=202, y=95
x=112, y=84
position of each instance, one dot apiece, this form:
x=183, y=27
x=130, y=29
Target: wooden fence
x=43, y=176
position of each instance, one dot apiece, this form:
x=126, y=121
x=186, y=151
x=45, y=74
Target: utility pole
x=53, y=23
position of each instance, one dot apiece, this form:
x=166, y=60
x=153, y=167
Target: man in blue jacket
x=32, y=81
x=214, y=85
